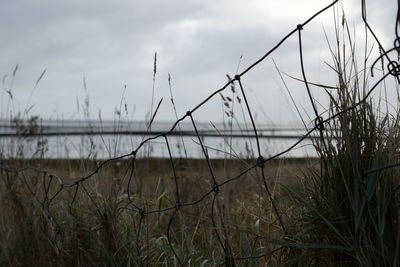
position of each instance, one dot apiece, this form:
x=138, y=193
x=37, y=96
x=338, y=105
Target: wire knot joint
x=216, y=188
x=260, y=162
x=319, y=123
x=142, y=213
x=394, y=68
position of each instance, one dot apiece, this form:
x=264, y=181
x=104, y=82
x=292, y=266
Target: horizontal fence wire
x=79, y=185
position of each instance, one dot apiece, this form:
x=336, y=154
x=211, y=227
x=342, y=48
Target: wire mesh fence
x=205, y=201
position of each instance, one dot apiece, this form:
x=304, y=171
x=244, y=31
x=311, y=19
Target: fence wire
x=79, y=185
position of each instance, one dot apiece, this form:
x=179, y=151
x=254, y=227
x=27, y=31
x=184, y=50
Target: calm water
x=102, y=146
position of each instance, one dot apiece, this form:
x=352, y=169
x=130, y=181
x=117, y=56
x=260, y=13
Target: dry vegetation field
x=99, y=227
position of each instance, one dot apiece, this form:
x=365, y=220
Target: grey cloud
x=112, y=43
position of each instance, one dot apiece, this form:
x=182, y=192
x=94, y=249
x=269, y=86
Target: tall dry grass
x=348, y=210
x=95, y=224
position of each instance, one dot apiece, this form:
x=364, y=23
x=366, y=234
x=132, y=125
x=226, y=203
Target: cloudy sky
x=111, y=45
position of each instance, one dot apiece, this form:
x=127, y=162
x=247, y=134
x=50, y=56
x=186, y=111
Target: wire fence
x=137, y=207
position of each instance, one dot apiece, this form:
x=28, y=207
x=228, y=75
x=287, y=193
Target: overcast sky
x=112, y=45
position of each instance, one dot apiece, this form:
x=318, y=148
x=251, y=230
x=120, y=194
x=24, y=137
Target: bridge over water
x=10, y=128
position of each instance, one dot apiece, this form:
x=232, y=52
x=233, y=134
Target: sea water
x=103, y=140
